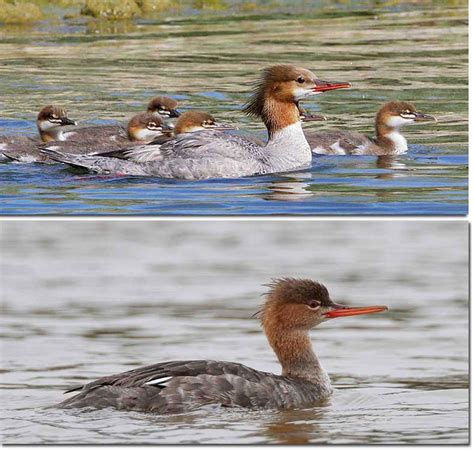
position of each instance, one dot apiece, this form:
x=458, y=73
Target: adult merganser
x=50, y=122
x=189, y=122
x=388, y=141
x=291, y=309
x=162, y=106
x=142, y=128
x=206, y=155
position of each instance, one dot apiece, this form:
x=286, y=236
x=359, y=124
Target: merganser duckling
x=388, y=141
x=162, y=106
x=205, y=155
x=189, y=122
x=50, y=122
x=291, y=309
x=142, y=128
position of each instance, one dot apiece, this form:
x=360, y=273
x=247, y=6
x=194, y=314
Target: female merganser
x=142, y=128
x=292, y=308
x=189, y=122
x=207, y=155
x=50, y=122
x=388, y=141
x=162, y=106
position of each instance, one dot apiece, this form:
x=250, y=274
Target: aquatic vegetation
x=111, y=9
x=19, y=12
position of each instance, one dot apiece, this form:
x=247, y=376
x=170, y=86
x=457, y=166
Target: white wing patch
x=337, y=149
x=160, y=381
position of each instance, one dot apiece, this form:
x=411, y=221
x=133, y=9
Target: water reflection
x=391, y=163
x=294, y=427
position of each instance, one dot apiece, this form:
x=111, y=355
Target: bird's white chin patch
x=146, y=135
x=46, y=125
x=397, y=121
x=301, y=93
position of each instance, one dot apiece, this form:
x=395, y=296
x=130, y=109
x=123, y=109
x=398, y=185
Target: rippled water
x=106, y=72
x=85, y=299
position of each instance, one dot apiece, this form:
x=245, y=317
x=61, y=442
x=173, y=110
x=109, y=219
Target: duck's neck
x=391, y=139
x=295, y=353
x=286, y=140
x=54, y=134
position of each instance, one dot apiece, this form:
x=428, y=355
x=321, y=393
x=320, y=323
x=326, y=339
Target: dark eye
x=300, y=80
x=314, y=304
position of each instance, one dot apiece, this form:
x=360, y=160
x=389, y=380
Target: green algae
x=19, y=12
x=111, y=9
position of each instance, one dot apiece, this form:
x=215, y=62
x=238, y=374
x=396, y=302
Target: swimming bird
x=207, y=155
x=142, y=128
x=50, y=122
x=292, y=307
x=164, y=107
x=189, y=122
x=390, y=118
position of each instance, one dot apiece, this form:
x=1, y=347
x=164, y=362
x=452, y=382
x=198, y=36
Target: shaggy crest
x=51, y=110
x=162, y=103
x=269, y=88
x=289, y=290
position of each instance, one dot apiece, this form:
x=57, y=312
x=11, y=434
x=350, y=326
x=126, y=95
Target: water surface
x=107, y=72
x=81, y=300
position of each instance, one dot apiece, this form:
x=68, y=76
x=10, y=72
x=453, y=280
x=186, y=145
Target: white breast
x=399, y=142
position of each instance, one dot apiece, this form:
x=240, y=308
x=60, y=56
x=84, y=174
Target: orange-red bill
x=352, y=311
x=322, y=86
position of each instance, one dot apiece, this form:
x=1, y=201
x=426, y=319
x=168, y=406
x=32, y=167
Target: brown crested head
x=163, y=106
x=51, y=112
x=395, y=114
x=282, y=84
x=49, y=121
x=146, y=126
x=192, y=121
x=55, y=115
x=278, y=91
x=295, y=304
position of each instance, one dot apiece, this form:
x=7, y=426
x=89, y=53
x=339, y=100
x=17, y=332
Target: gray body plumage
x=82, y=141
x=340, y=142
x=22, y=148
x=179, y=386
x=203, y=155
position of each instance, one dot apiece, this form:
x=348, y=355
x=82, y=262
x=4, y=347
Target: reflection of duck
x=294, y=426
x=393, y=163
x=50, y=122
x=217, y=155
x=388, y=141
x=291, y=309
x=290, y=189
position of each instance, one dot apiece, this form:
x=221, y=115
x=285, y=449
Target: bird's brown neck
x=48, y=135
x=295, y=353
x=277, y=115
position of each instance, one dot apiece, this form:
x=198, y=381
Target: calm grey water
x=82, y=300
x=107, y=72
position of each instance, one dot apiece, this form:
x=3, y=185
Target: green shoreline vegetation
x=30, y=11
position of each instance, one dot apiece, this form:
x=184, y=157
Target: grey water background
x=81, y=300
x=106, y=72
